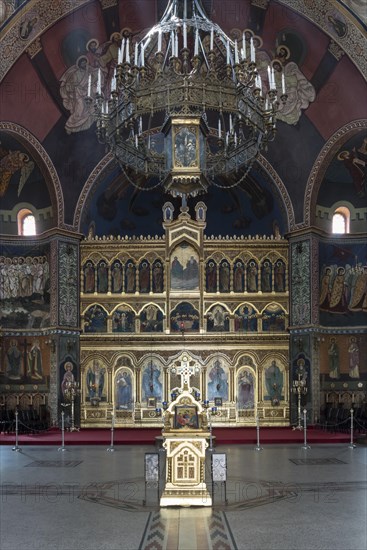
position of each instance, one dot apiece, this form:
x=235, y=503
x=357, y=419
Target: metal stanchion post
x=16, y=448
x=62, y=448
x=352, y=445
x=210, y=433
x=111, y=447
x=258, y=448
x=305, y=445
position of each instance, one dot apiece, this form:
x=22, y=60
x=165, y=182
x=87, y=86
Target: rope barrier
x=20, y=423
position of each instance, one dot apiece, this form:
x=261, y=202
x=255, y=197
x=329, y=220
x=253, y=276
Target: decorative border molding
x=279, y=185
x=88, y=186
x=353, y=43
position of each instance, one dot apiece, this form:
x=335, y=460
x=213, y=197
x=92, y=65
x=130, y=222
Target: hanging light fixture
x=186, y=107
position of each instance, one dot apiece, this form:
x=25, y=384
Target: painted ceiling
x=319, y=150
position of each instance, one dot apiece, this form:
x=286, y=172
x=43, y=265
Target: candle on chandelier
x=269, y=76
x=212, y=39
x=159, y=49
x=123, y=46
x=236, y=60
x=127, y=50
x=228, y=52
x=252, y=50
x=89, y=84
x=99, y=84
x=244, y=53
x=136, y=54
x=196, y=51
x=219, y=129
x=172, y=44
x=184, y=35
x=283, y=84
x=113, y=84
x=142, y=55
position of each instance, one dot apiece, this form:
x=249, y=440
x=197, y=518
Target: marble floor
x=280, y=497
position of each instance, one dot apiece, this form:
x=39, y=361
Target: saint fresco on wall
x=67, y=375
x=342, y=360
x=17, y=170
x=25, y=291
x=25, y=362
x=343, y=284
x=184, y=268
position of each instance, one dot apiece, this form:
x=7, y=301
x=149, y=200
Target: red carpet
x=146, y=436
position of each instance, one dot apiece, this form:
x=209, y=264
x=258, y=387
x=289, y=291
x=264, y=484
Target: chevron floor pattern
x=186, y=529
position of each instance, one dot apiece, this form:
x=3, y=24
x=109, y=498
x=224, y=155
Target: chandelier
x=186, y=107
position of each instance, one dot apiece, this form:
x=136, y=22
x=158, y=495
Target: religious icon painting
x=245, y=389
x=186, y=417
x=185, y=268
x=151, y=319
x=218, y=381
x=273, y=319
x=116, y=277
x=95, y=319
x=184, y=318
x=152, y=386
x=123, y=320
x=124, y=390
